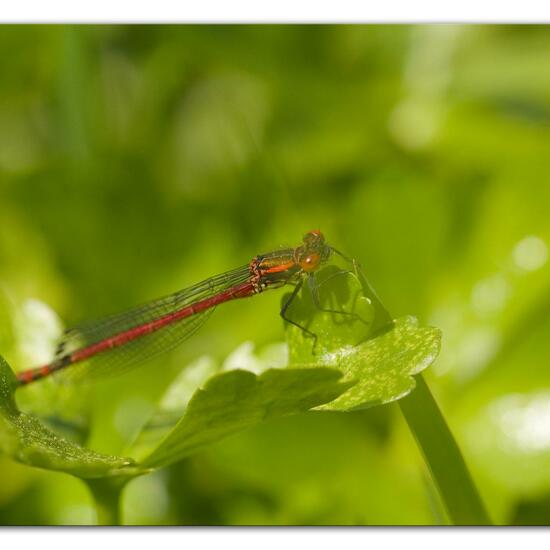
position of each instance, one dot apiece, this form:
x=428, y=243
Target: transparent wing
x=119, y=359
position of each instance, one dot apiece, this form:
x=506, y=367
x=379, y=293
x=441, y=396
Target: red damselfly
x=135, y=335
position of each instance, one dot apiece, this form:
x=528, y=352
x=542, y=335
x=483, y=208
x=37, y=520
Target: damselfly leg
x=285, y=307
x=383, y=320
x=314, y=289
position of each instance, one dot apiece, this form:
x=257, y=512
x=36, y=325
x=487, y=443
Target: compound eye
x=313, y=237
x=310, y=262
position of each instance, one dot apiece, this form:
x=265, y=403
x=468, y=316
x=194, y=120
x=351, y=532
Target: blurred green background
x=135, y=160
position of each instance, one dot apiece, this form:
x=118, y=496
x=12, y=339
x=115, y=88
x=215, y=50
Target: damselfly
x=130, y=337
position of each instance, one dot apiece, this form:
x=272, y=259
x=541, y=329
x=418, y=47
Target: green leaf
x=376, y=356
x=380, y=356
x=26, y=440
x=235, y=400
x=384, y=367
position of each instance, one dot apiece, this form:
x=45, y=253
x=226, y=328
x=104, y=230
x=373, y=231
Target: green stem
x=443, y=457
x=106, y=494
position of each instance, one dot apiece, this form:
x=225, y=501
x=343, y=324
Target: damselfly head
x=313, y=252
x=314, y=236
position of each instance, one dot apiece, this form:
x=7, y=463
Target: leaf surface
x=379, y=355
x=238, y=399
x=27, y=440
